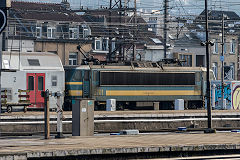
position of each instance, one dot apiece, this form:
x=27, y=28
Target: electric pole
x=109, y=32
x=208, y=96
x=135, y=29
x=222, y=60
x=166, y=15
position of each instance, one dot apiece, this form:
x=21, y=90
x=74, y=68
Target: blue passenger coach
x=136, y=86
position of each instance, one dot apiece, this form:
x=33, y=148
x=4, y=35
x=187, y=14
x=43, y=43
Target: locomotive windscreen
x=137, y=78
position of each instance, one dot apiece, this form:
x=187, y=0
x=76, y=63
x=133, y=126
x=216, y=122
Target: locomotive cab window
x=86, y=75
x=77, y=77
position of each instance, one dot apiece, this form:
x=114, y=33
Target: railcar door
x=36, y=84
x=86, y=84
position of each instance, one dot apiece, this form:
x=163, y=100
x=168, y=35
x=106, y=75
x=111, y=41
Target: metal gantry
x=125, y=41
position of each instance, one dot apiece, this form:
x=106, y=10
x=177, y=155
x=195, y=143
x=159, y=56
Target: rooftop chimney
x=65, y=4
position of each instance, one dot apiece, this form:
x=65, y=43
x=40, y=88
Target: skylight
x=156, y=40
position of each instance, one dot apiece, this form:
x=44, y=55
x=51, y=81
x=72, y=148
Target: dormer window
x=38, y=32
x=86, y=32
x=73, y=33
x=50, y=32
x=98, y=44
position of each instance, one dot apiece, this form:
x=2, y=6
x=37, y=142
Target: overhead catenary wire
x=180, y=6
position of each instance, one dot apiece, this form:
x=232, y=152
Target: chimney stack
x=65, y=4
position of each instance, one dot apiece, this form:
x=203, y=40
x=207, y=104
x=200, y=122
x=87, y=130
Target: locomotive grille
x=136, y=78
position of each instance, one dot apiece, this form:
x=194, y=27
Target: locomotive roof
x=131, y=68
x=31, y=61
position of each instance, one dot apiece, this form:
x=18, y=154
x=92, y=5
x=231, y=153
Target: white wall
x=25, y=45
x=154, y=55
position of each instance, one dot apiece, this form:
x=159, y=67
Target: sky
x=178, y=7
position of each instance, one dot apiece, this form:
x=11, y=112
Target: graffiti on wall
x=227, y=94
x=235, y=95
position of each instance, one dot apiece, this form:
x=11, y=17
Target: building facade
x=47, y=27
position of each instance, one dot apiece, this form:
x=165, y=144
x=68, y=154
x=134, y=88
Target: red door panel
x=40, y=86
x=36, y=84
x=31, y=87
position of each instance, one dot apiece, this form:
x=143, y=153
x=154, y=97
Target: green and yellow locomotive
x=134, y=86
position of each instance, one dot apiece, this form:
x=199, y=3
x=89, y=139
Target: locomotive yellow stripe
x=152, y=93
x=74, y=83
x=75, y=92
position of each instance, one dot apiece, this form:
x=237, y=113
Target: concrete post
x=213, y=96
x=59, y=116
x=45, y=94
x=83, y=117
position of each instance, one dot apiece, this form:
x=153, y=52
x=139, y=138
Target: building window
x=105, y=45
x=232, y=68
x=229, y=72
x=188, y=60
x=232, y=46
x=153, y=19
x=215, y=46
x=54, y=81
x=113, y=46
x=98, y=45
x=12, y=30
x=215, y=69
x=38, y=32
x=225, y=48
x=86, y=33
x=200, y=59
x=50, y=32
x=73, y=33
x=73, y=58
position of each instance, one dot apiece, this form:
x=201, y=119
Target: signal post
x=4, y=5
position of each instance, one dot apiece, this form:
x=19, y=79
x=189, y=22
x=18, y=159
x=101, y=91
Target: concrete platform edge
x=125, y=150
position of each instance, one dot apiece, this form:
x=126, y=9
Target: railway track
x=126, y=115
x=106, y=122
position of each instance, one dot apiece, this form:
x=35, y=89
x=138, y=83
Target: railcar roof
x=31, y=61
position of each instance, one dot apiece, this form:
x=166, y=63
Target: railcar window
x=31, y=83
x=33, y=62
x=54, y=81
x=77, y=76
x=40, y=83
x=134, y=78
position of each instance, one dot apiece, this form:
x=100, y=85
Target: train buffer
x=8, y=104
